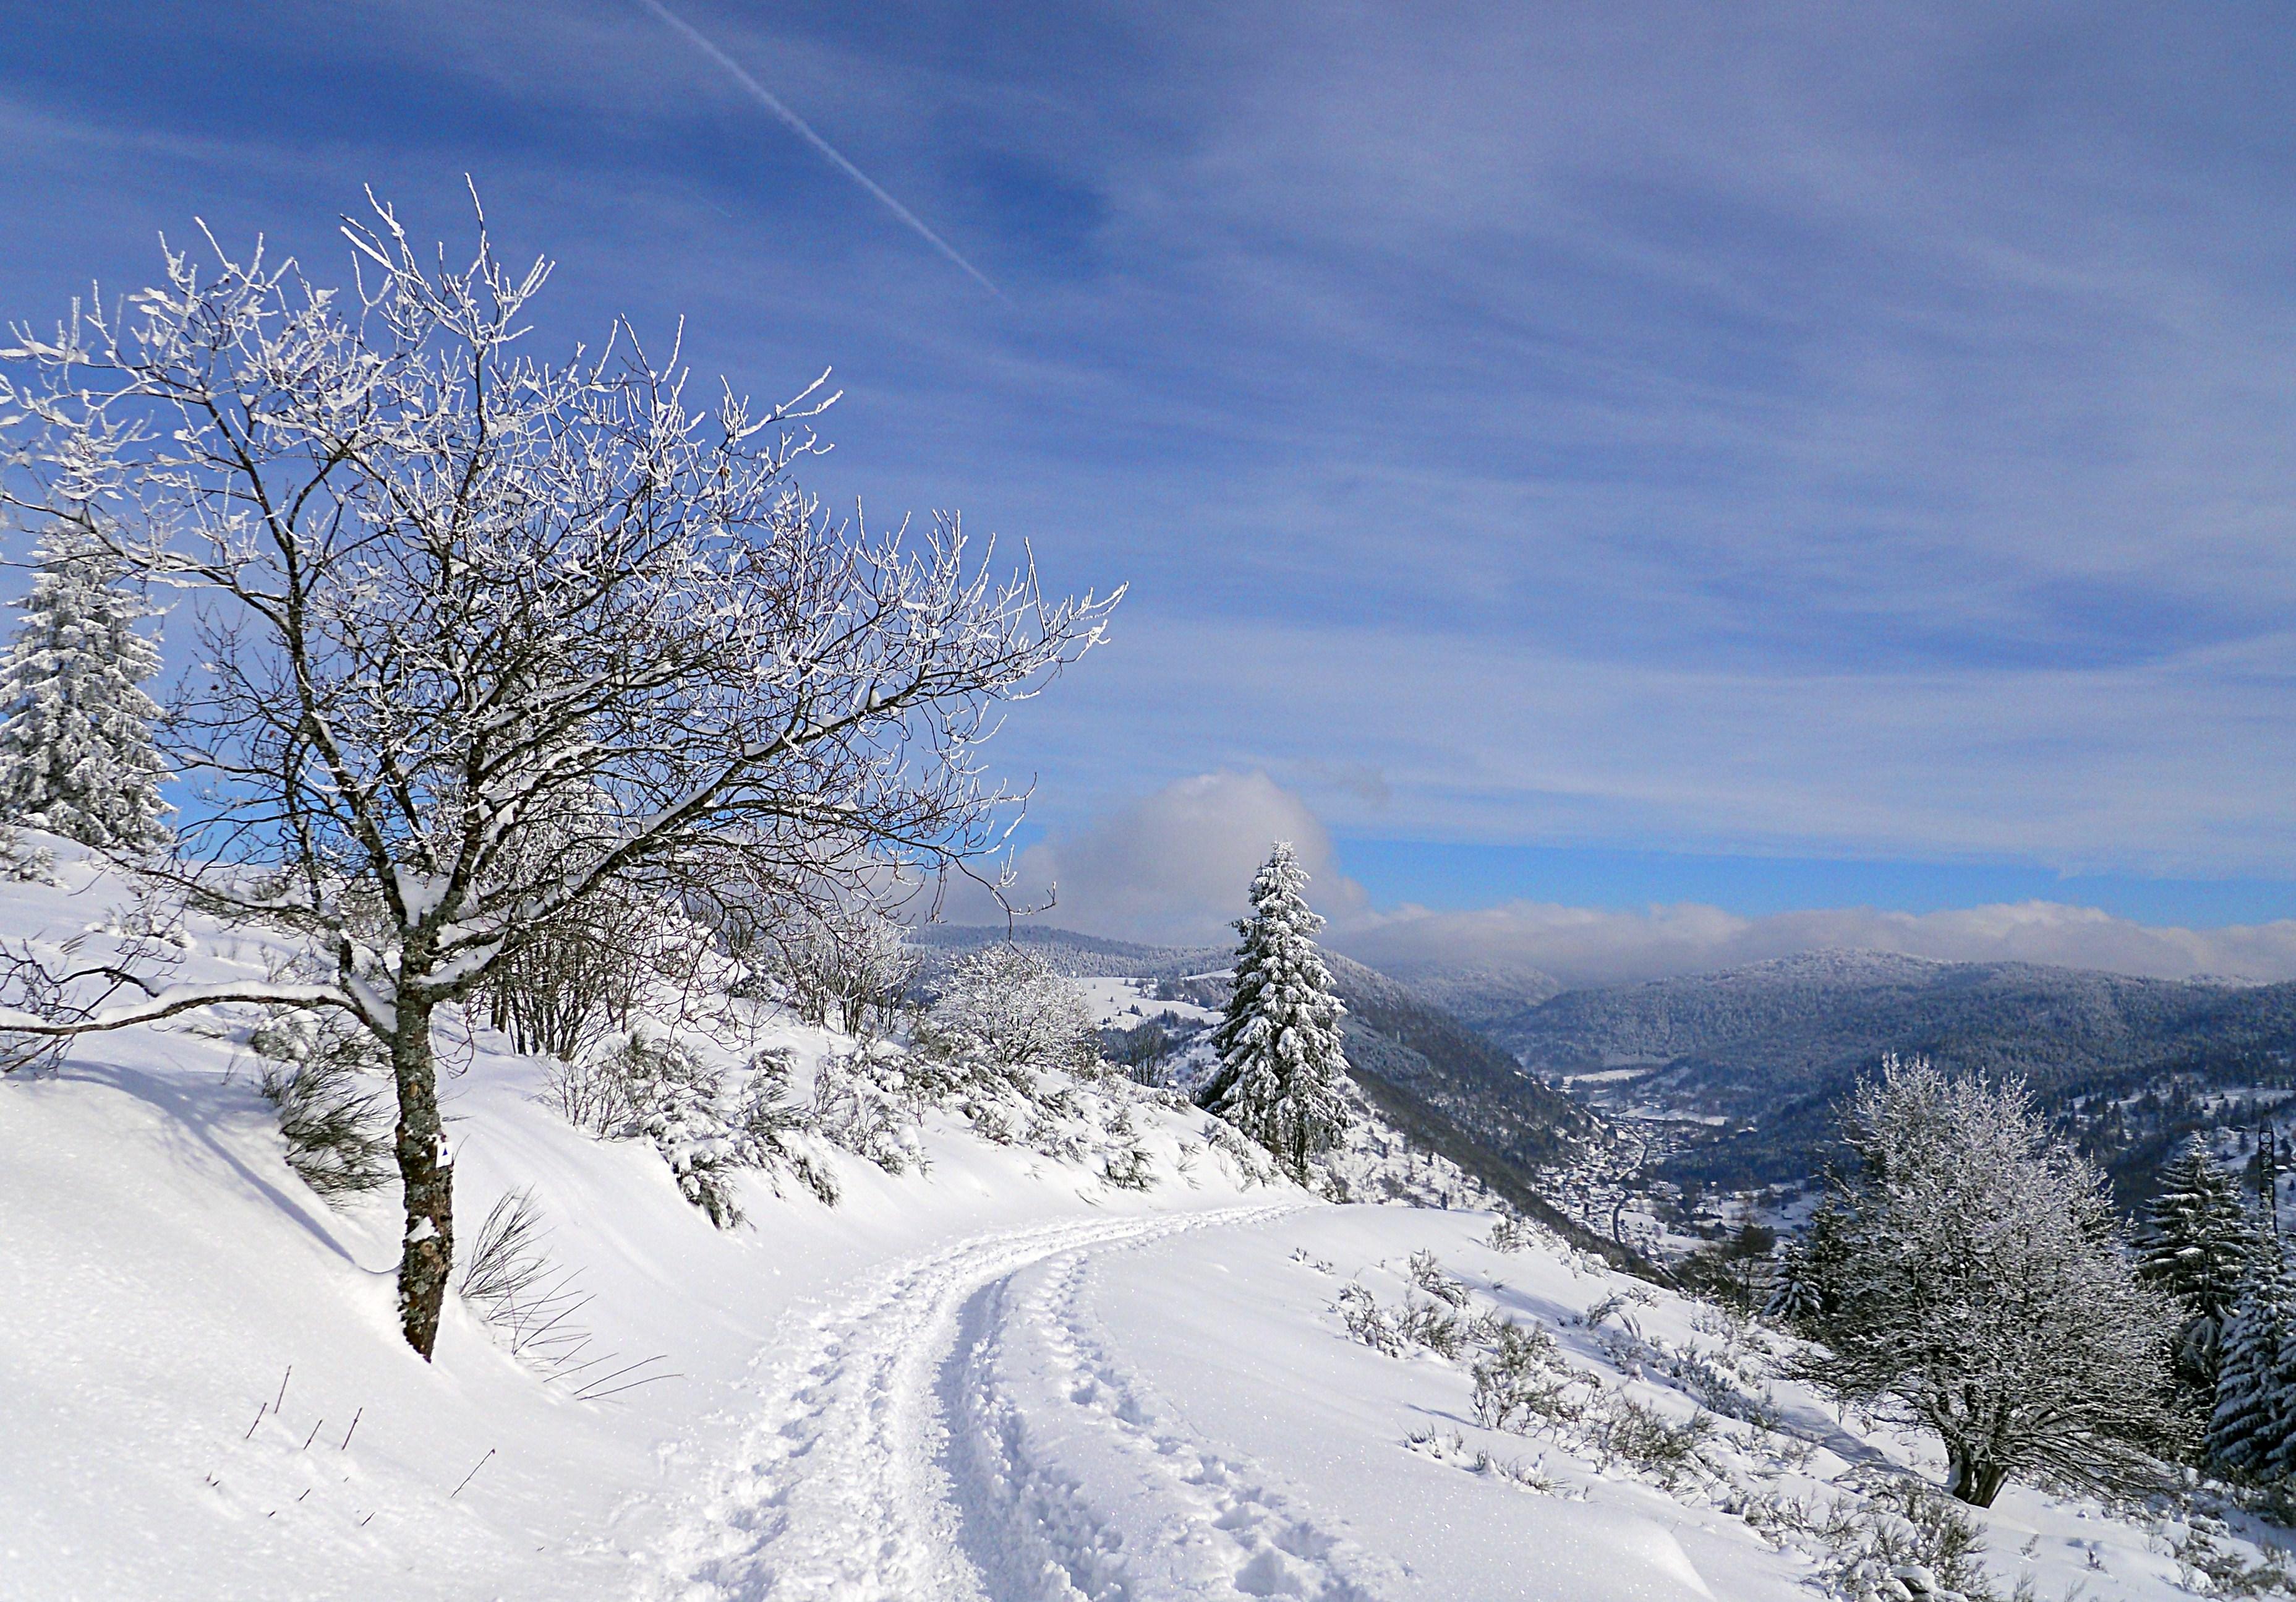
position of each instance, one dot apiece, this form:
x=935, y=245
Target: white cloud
x=1582, y=946
x=1174, y=866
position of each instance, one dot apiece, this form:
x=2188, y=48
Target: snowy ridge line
x=838, y=1490
x=1078, y=1483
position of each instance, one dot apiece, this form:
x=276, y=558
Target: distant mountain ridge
x=1741, y=1039
x=1774, y=1044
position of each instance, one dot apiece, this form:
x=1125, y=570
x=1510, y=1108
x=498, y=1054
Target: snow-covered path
x=887, y=1456
x=1078, y=1480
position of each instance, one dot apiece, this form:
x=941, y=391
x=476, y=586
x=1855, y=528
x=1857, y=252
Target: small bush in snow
x=1427, y=1273
x=865, y=1103
x=22, y=864
x=1899, y=1540
x=322, y=1076
x=660, y=1091
x=1452, y=1447
x=1523, y=1380
x=675, y=1101
x=588, y=1094
x=1623, y=1430
x=1511, y=1234
x=1433, y=1326
x=2208, y=1564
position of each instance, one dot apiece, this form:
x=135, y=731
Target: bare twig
x=467, y=1478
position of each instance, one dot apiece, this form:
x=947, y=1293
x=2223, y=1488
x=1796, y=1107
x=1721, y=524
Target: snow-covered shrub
x=1523, y=1379
x=658, y=1090
x=1622, y=1430
x=1511, y=1233
x=776, y=1136
x=1003, y=1018
x=1130, y=1166
x=863, y=1103
x=675, y=1101
x=1895, y=1538
x=324, y=1078
x=23, y=864
x=587, y=1093
x=1365, y=1321
x=2208, y=1564
x=1433, y=1326
x=1245, y=1157
x=1427, y=1273
x=1452, y=1447
x=1731, y=1380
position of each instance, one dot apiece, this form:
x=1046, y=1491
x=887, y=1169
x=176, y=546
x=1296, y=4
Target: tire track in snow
x=841, y=1490
x=1077, y=1483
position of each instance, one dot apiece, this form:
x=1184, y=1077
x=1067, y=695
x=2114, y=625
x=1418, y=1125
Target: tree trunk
x=1975, y=1480
x=426, y=1173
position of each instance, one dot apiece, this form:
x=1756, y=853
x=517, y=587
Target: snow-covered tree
x=1974, y=1283
x=839, y=963
x=77, y=754
x=2249, y=1432
x=448, y=588
x=1281, y=1060
x=1003, y=1017
x=2198, y=1244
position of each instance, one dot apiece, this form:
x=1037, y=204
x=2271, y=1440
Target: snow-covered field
x=998, y=1377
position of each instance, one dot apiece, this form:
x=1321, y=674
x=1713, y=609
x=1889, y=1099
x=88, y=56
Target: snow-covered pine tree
x=1279, y=1053
x=2256, y=1379
x=76, y=756
x=2198, y=1244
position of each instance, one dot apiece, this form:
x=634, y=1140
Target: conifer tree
x=2197, y=1244
x=2248, y=1433
x=76, y=756
x=1281, y=1058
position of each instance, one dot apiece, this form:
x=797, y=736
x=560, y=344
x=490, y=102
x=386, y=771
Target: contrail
x=772, y=102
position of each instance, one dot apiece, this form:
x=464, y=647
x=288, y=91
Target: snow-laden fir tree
x=2197, y=1244
x=1973, y=1284
x=2250, y=1429
x=76, y=756
x=1282, y=1062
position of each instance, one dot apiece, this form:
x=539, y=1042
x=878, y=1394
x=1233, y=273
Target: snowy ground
x=998, y=1378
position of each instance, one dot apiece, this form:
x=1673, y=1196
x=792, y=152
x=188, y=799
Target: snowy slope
x=999, y=1377
x=162, y=1272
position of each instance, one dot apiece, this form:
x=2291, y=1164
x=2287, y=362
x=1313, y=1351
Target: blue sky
x=1786, y=456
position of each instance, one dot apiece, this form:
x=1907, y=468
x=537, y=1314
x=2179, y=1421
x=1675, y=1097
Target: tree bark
x=1975, y=1480
x=426, y=1175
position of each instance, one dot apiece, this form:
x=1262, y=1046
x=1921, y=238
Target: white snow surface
x=998, y=1378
